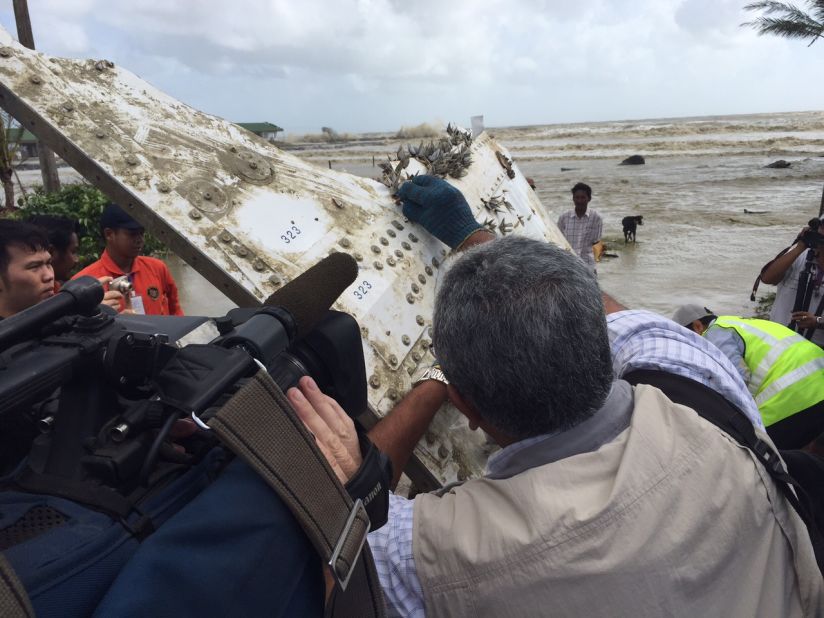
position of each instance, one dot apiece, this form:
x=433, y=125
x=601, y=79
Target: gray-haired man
x=606, y=499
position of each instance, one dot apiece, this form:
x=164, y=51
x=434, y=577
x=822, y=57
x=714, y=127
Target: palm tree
x=787, y=20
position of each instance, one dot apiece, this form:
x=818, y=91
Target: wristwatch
x=432, y=373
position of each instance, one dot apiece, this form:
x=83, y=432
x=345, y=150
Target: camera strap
x=14, y=602
x=260, y=426
x=757, y=281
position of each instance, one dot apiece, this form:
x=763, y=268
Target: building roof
x=13, y=135
x=260, y=127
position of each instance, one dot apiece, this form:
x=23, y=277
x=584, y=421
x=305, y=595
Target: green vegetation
x=83, y=203
x=764, y=305
x=787, y=20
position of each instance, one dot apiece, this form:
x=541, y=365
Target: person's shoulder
x=95, y=269
x=153, y=263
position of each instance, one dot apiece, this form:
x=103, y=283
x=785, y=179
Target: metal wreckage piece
x=250, y=217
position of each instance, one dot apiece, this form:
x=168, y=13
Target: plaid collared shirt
x=639, y=340
x=582, y=232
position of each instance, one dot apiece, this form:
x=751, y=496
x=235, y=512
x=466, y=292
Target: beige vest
x=670, y=518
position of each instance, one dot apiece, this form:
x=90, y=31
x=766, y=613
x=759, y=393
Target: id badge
x=137, y=304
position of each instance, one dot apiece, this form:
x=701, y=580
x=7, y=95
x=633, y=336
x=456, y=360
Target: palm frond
x=791, y=22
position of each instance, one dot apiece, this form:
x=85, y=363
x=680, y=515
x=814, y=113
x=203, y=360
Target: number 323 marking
x=362, y=290
x=290, y=234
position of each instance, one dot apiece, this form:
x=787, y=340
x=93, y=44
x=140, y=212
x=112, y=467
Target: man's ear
x=466, y=408
x=698, y=327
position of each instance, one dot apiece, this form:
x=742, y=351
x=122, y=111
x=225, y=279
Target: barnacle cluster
x=448, y=156
x=498, y=206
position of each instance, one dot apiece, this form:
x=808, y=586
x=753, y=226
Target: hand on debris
x=111, y=298
x=334, y=431
x=439, y=208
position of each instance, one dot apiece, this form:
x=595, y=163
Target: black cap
x=115, y=217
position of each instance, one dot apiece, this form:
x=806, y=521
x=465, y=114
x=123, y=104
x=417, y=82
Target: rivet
x=391, y=233
x=258, y=265
x=233, y=149
x=416, y=288
x=399, y=253
x=35, y=79
x=359, y=257
x=391, y=261
x=406, y=245
x=419, y=319
x=345, y=243
x=430, y=437
x=274, y=280
x=435, y=262
x=376, y=249
x=226, y=237
x=194, y=213
x=241, y=251
x=389, y=332
x=421, y=278
x=412, y=237
x=406, y=340
x=410, y=370
x=68, y=107
x=416, y=357
x=425, y=343
x=253, y=165
x=397, y=225
x=378, y=265
x=5, y=52
x=393, y=360
x=99, y=135
x=384, y=242
x=163, y=187
x=207, y=196
x=428, y=271
x=375, y=381
x=410, y=299
x=392, y=394
x=131, y=160
x=442, y=451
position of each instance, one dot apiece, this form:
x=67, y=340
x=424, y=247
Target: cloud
x=374, y=64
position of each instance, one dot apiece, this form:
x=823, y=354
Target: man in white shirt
x=582, y=226
x=784, y=273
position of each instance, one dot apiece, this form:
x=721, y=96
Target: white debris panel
x=250, y=217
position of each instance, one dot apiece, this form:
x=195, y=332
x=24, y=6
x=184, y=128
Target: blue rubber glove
x=439, y=208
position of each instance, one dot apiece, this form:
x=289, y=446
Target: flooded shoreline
x=697, y=242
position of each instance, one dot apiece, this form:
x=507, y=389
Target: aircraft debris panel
x=250, y=217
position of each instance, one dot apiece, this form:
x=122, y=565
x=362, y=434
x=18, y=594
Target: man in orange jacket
x=154, y=290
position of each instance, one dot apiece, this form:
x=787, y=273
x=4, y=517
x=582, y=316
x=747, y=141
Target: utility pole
x=821, y=208
x=48, y=165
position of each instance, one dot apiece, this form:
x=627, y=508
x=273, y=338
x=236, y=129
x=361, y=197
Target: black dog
x=630, y=224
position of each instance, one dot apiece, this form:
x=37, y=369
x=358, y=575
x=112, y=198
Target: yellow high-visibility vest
x=786, y=370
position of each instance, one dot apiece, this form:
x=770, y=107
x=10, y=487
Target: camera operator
x=805, y=256
x=606, y=499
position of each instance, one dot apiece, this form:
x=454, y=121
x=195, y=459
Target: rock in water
x=780, y=164
x=634, y=160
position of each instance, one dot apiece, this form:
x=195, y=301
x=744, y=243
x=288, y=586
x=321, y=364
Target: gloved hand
x=439, y=208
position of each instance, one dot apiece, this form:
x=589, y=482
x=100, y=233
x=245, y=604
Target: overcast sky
x=374, y=65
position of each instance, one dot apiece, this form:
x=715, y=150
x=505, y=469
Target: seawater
x=697, y=242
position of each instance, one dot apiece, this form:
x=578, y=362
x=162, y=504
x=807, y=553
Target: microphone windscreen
x=310, y=295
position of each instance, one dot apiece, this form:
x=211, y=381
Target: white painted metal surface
x=250, y=217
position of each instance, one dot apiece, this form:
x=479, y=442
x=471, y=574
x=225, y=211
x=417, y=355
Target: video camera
x=104, y=391
x=811, y=237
